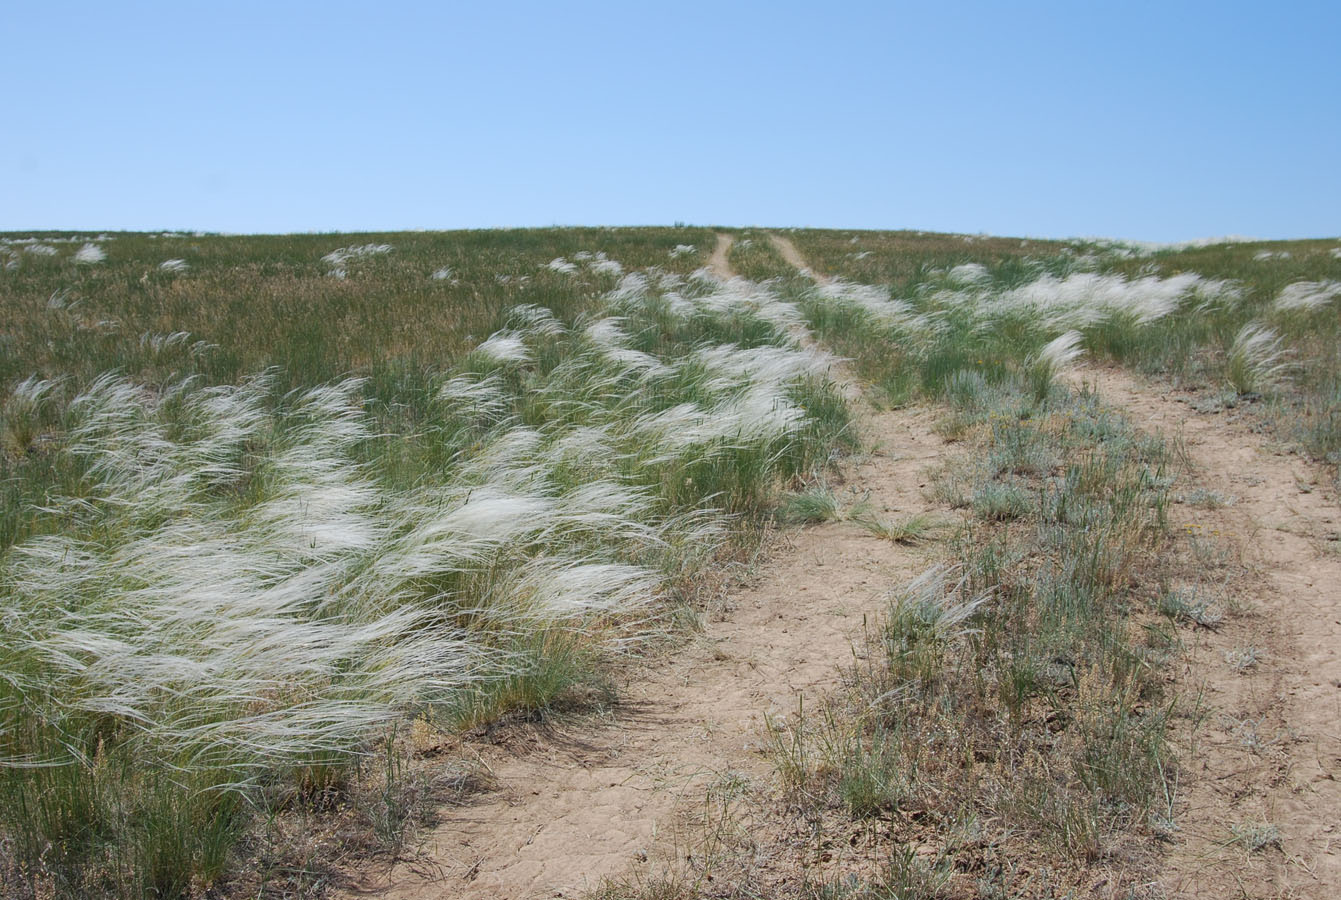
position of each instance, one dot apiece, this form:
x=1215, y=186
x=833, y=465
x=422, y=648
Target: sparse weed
x=1186, y=604
x=1204, y=498
x=814, y=505
x=915, y=529
x=1255, y=837
x=1241, y=659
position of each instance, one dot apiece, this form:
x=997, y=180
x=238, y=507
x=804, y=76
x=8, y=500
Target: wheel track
x=1269, y=749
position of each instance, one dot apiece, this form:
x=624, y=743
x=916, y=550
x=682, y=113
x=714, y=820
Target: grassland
x=268, y=502
x=247, y=540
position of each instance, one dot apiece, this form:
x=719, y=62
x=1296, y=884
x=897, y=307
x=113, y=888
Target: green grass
x=916, y=529
x=256, y=516
x=812, y=506
x=753, y=256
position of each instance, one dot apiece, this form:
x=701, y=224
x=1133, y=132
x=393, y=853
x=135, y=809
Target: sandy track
x=1268, y=751
x=794, y=258
x=719, y=263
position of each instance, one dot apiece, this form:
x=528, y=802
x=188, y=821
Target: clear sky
x=1155, y=121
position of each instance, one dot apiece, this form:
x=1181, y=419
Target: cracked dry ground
x=589, y=800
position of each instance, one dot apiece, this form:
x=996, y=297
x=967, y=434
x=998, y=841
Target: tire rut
x=1264, y=761
x=719, y=263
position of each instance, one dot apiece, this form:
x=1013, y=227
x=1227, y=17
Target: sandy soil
x=794, y=258
x=719, y=262
x=1264, y=740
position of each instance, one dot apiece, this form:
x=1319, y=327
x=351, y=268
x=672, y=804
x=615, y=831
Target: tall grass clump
x=1255, y=360
x=1042, y=368
x=225, y=597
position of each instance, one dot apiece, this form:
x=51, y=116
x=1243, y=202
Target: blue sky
x=1155, y=121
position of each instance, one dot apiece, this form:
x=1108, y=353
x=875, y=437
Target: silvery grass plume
x=173, y=265
x=89, y=254
x=597, y=262
x=1262, y=255
x=611, y=342
x=1059, y=352
x=442, y=274
x=875, y=302
x=603, y=265
x=1043, y=367
x=1256, y=359
x=158, y=343
x=478, y=401
x=763, y=365
x=936, y=604
x=534, y=320
x=337, y=259
x=40, y=249
x=1083, y=299
x=1307, y=295
x=971, y=274
x=682, y=250
x=21, y=415
x=741, y=296
x=503, y=347
x=344, y=254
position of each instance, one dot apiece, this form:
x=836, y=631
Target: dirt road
x=1261, y=813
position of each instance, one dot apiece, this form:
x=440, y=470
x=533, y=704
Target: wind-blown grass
x=260, y=509
x=228, y=587
x=1256, y=359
